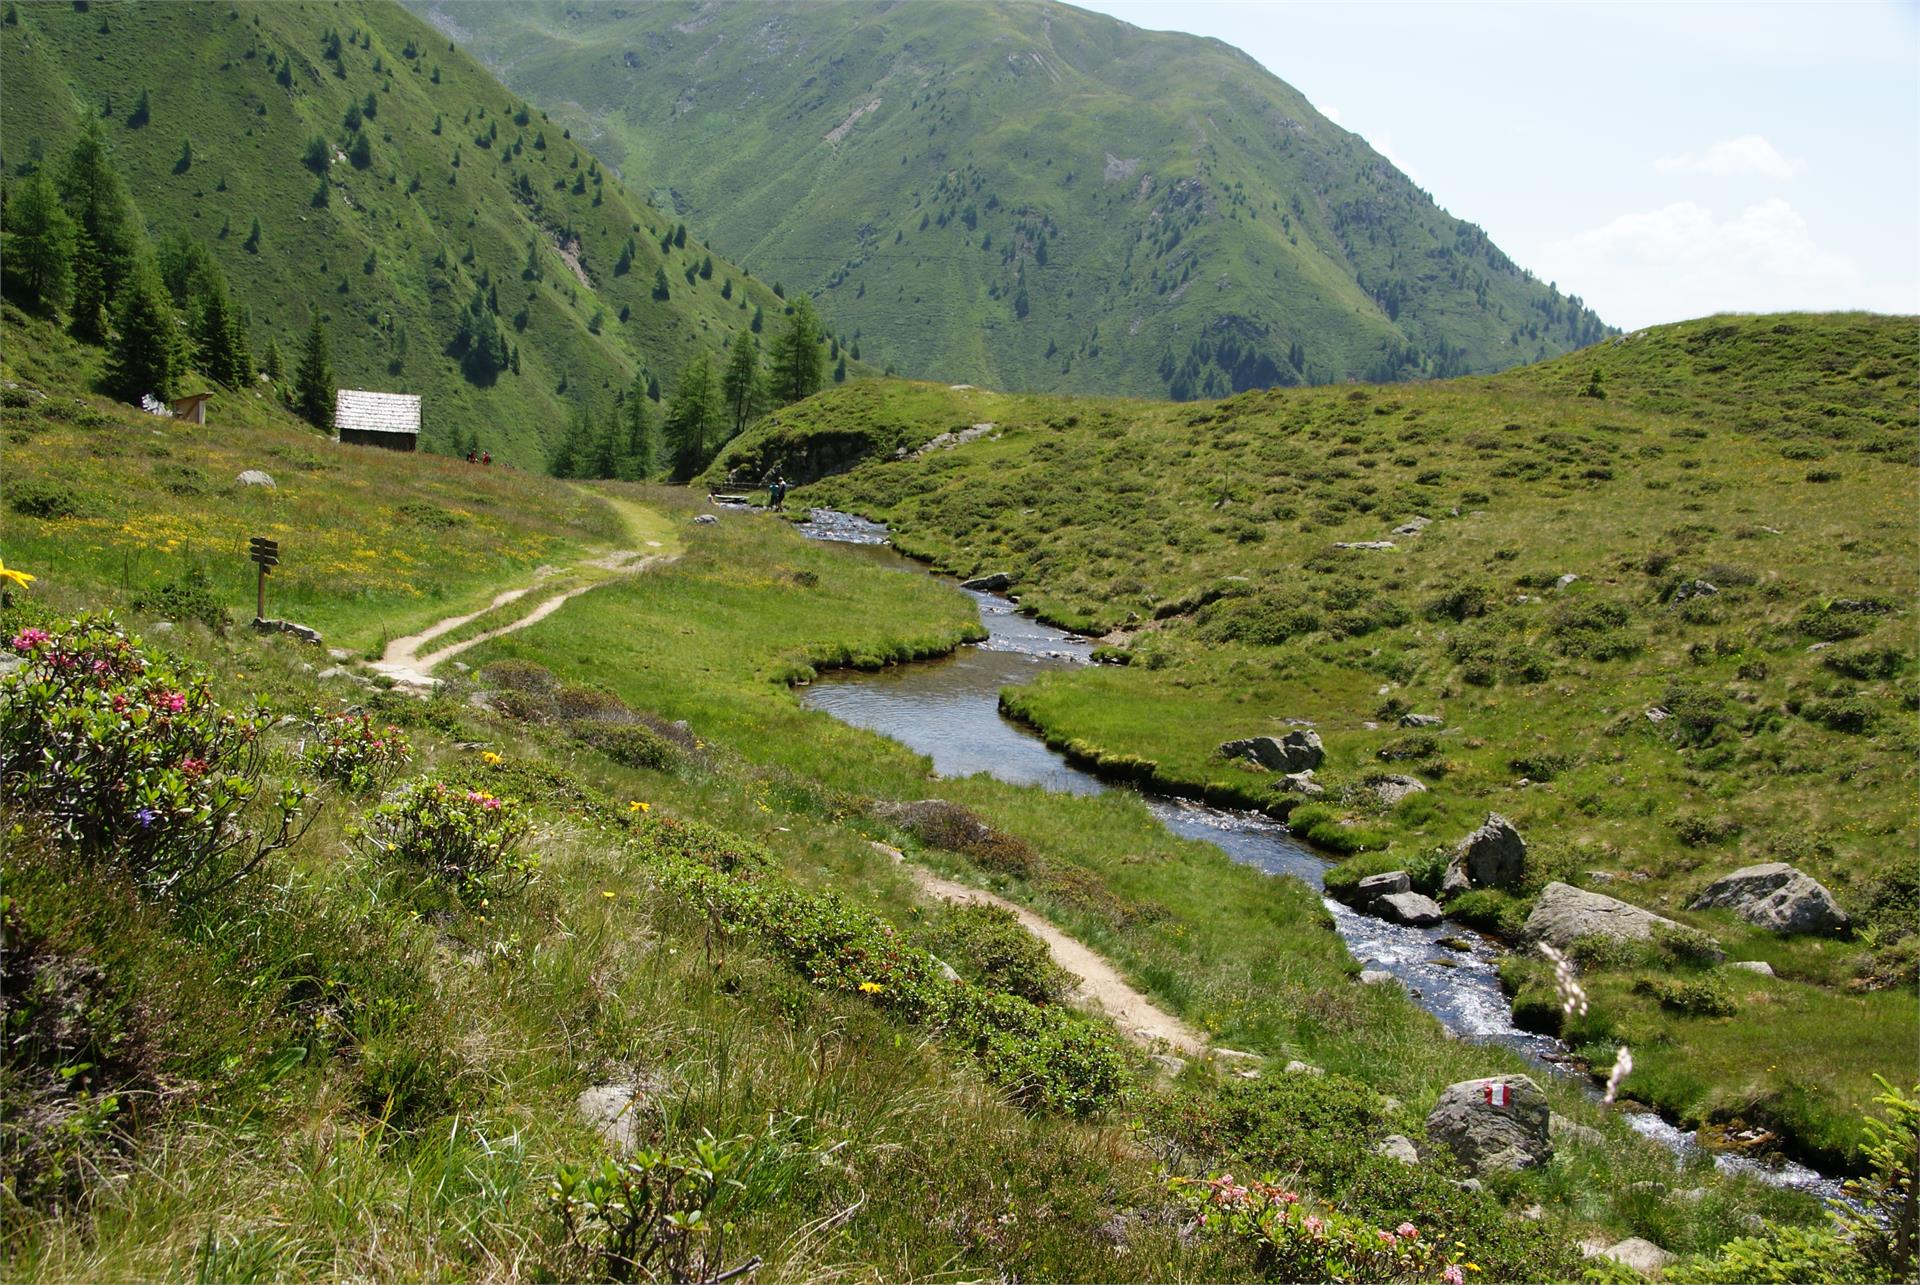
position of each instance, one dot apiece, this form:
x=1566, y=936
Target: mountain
x=456, y=242
x=1030, y=196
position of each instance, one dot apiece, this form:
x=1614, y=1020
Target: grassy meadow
x=1770, y=458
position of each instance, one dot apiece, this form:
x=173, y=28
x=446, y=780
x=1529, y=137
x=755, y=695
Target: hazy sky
x=1661, y=160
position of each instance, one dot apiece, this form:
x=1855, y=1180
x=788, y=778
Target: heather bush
x=124, y=756
x=353, y=751
x=466, y=840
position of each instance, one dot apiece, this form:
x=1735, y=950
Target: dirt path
x=407, y=661
x=1101, y=985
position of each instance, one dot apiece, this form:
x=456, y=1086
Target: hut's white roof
x=370, y=412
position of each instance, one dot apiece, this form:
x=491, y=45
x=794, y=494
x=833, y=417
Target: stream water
x=949, y=710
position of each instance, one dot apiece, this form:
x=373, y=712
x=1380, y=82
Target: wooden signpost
x=266, y=553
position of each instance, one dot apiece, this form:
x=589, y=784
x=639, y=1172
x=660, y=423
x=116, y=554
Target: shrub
x=425, y=513
x=1867, y=663
x=1264, y=620
x=1699, y=715
x=1463, y=602
x=1887, y=1231
x=1294, y=1240
x=349, y=750
x=1831, y=623
x=189, y=596
x=1540, y=766
x=124, y=756
x=998, y=952
x=950, y=826
x=1695, y=997
x=655, y=1216
x=467, y=840
x=1781, y=1255
x=630, y=745
x=36, y=498
x=1849, y=714
x=1593, y=628
x=1416, y=745
x=1698, y=831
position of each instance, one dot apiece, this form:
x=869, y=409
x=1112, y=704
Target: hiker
x=777, y=492
x=486, y=457
x=471, y=457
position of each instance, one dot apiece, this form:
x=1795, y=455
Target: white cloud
x=1678, y=262
x=1331, y=113
x=1748, y=154
x=1383, y=144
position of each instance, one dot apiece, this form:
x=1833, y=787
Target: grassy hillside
x=1027, y=195
x=465, y=192
x=1645, y=733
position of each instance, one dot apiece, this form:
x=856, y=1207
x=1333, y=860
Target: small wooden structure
x=390, y=420
x=192, y=408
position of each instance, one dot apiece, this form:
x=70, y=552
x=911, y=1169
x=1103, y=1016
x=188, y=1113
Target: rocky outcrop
x=1298, y=751
x=1775, y=896
x=1563, y=914
x=305, y=633
x=1303, y=783
x=1494, y=856
x=1642, y=1256
x=1392, y=788
x=254, y=477
x=992, y=582
x=1409, y=908
x=1422, y=720
x=1494, y=1125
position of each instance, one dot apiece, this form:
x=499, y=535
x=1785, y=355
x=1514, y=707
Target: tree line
x=706, y=411
x=75, y=242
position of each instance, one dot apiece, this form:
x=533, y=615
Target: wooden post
x=266, y=553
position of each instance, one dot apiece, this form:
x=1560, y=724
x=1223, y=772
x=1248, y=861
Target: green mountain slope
x=463, y=193
x=1026, y=195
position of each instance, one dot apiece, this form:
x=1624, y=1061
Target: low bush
x=466, y=840
x=1697, y=831
x=1594, y=628
x=1542, y=765
x=1323, y=827
x=1295, y=1240
x=1840, y=714
x=630, y=745
x=1695, y=997
x=656, y=1215
x=189, y=596
x=352, y=751
x=1867, y=664
x=123, y=755
x=991, y=947
x=948, y=825
x=37, y=498
x=1415, y=745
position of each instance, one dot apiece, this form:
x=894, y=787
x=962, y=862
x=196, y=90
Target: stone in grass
x=1642, y=1256
x=1375, y=977
x=613, y=1109
x=992, y=582
x=1573, y=1131
x=1563, y=914
x=1303, y=783
x=1298, y=751
x=1494, y=856
x=1392, y=788
x=1422, y=720
x=1399, y=1147
x=254, y=477
x=1776, y=896
x=1409, y=908
x=1759, y=966
x=707, y=519
x=1495, y=1125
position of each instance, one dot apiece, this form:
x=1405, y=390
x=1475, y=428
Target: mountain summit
x=1028, y=195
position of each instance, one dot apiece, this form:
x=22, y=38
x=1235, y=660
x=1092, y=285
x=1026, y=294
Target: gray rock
x=1422, y=720
x=161, y=627
x=1759, y=966
x=304, y=633
x=1297, y=1067
x=707, y=519
x=1693, y=589
x=1303, y=783
x=1366, y=544
x=1470, y=1185
x=254, y=477
x=1298, y=751
x=10, y=663
x=1168, y=1063
x=1494, y=856
x=1398, y=1147
x=1566, y=580
x=992, y=582
x=1382, y=885
x=1563, y=914
x=1489, y=1138
x=1413, y=526
x=1393, y=788
x=1775, y=896
x=1573, y=1131
x=1375, y=977
x=613, y=1110
x=1409, y=908
x=1643, y=1256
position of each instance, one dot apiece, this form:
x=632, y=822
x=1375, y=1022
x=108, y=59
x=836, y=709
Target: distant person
x=472, y=458
x=777, y=492
x=486, y=457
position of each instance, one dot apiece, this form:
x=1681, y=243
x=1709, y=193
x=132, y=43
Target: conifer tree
x=97, y=200
x=89, y=291
x=740, y=386
x=642, y=455
x=39, y=246
x=795, y=356
x=691, y=416
x=660, y=290
x=145, y=356
x=313, y=384
x=275, y=365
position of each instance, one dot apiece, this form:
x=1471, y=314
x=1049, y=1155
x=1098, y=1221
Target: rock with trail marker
x=1495, y=1125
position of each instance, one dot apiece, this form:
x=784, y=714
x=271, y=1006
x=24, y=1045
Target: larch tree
x=313, y=382
x=795, y=358
x=691, y=415
x=39, y=247
x=740, y=386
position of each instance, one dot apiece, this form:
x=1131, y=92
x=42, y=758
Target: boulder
x=1642, y=1256
x=305, y=633
x=1566, y=581
x=1409, y=908
x=1381, y=885
x=1297, y=751
x=992, y=582
x=1494, y=856
x=10, y=663
x=1393, y=788
x=1494, y=1125
x=1366, y=544
x=1693, y=589
x=1775, y=896
x=1303, y=783
x=1297, y=1067
x=1563, y=914
x=254, y=477
x=1375, y=977
x=1422, y=720
x=707, y=519
x=1398, y=1147
x=613, y=1109
x=1759, y=966
x=1413, y=526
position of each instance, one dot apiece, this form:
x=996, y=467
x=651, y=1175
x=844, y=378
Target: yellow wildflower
x=872, y=988
x=19, y=579
x=489, y=758
x=608, y=894
x=637, y=806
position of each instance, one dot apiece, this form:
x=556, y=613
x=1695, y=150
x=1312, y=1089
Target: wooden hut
x=390, y=420
x=192, y=408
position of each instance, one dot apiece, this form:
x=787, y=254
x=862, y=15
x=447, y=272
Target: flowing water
x=949, y=710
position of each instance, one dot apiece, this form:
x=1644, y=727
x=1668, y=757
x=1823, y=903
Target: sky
x=1660, y=160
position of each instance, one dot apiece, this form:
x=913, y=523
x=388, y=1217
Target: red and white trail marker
x=1499, y=1094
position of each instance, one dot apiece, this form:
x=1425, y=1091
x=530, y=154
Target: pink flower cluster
x=486, y=801
x=29, y=639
